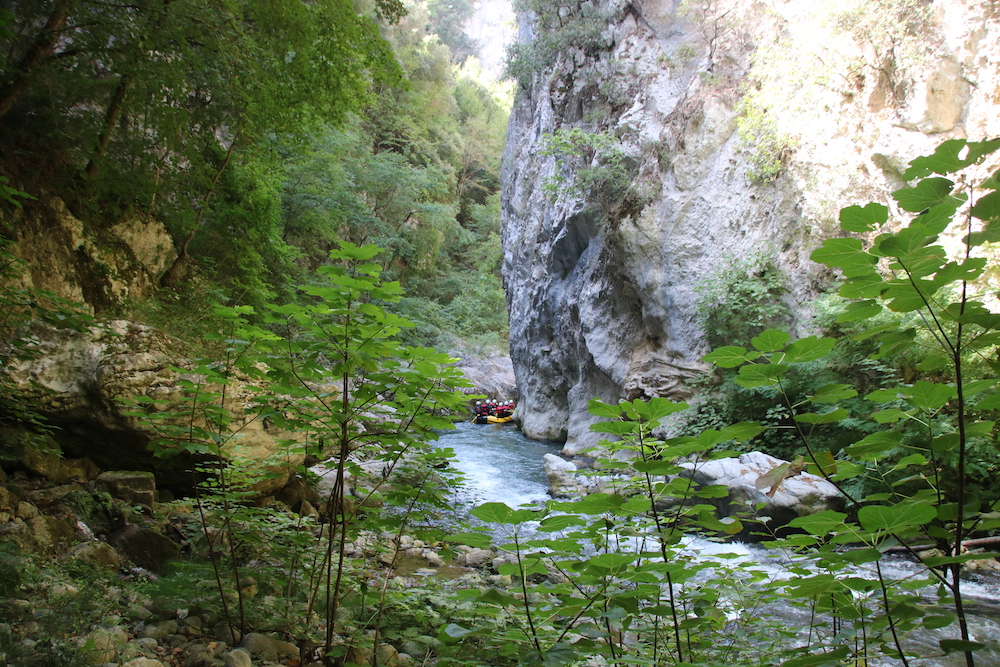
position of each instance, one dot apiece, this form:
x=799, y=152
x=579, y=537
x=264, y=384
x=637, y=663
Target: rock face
x=83, y=381
x=62, y=258
x=602, y=282
x=492, y=377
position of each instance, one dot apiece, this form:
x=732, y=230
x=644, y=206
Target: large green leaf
x=730, y=356
x=552, y=524
x=927, y=193
x=616, y=428
x=929, y=396
x=846, y=254
x=988, y=207
x=874, y=445
x=825, y=418
x=832, y=658
x=860, y=310
x=478, y=540
x=657, y=408
x=866, y=286
x=808, y=349
x=959, y=646
x=501, y=513
x=863, y=219
x=896, y=518
x=743, y=431
x=821, y=523
x=944, y=160
x=831, y=393
x=599, y=408
x=760, y=375
x=771, y=340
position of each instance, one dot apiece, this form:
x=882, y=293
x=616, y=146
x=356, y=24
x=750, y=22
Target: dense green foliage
x=339, y=381
x=261, y=133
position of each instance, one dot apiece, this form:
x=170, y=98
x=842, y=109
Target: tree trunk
x=39, y=51
x=177, y=270
x=110, y=120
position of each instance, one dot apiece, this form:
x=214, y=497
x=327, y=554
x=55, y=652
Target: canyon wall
x=742, y=128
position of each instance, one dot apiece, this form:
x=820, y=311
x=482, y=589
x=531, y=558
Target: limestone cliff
x=742, y=127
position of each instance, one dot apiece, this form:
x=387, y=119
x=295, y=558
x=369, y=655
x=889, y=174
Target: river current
x=501, y=465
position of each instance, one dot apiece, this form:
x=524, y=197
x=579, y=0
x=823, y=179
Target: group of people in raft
x=487, y=412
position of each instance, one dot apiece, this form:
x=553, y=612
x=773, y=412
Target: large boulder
x=755, y=492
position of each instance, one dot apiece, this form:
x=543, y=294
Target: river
x=501, y=465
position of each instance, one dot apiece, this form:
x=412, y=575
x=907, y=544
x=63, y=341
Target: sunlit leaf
x=846, y=254
x=760, y=375
x=895, y=518
x=863, y=219
x=860, y=310
x=771, y=340
x=808, y=349
x=928, y=192
x=729, y=356
x=988, y=206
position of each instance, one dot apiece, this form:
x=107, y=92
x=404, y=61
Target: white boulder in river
x=750, y=492
x=798, y=494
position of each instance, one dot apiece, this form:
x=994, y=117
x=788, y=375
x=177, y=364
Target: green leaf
x=937, y=622
x=858, y=219
x=895, y=518
x=990, y=402
x=831, y=393
x=890, y=416
x=599, y=408
x=867, y=286
x=808, y=349
x=929, y=396
x=860, y=310
x=617, y=427
x=825, y=418
x=656, y=468
x=760, y=375
x=959, y=646
x=874, y=445
x=927, y=193
x=886, y=395
x=916, y=459
x=771, y=340
x=944, y=160
x=553, y=524
x=832, y=658
x=743, y=431
x=988, y=207
x=452, y=633
x=821, y=523
x=494, y=513
x=478, y=540
x=729, y=356
x=910, y=242
x=846, y=254
x=656, y=408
